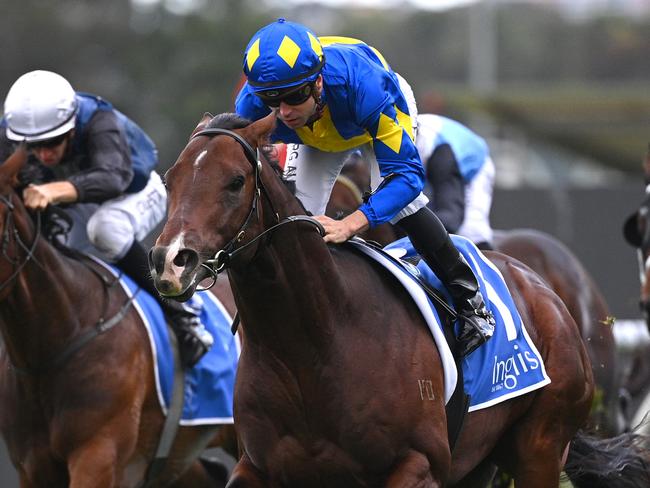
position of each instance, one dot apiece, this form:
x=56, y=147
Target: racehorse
x=636, y=231
x=550, y=259
x=326, y=391
x=564, y=273
x=78, y=402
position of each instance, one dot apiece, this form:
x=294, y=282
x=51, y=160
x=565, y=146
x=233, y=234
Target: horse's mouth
x=168, y=290
x=182, y=297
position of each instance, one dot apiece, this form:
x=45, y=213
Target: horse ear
x=631, y=231
x=207, y=117
x=12, y=165
x=260, y=130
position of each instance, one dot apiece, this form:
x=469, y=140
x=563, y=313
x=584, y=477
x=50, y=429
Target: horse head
x=214, y=189
x=14, y=225
x=636, y=231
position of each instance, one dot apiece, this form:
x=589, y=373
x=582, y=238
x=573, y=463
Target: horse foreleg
x=246, y=475
x=414, y=471
x=539, y=469
x=198, y=477
x=94, y=464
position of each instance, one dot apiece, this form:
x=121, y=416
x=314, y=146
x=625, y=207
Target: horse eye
x=236, y=183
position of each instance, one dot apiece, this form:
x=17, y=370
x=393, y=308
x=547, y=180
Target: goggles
x=47, y=143
x=292, y=96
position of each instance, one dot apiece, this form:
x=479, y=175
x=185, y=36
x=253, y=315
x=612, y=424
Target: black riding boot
x=193, y=340
x=432, y=242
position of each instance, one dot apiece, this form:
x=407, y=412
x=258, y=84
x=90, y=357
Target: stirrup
x=194, y=341
x=477, y=326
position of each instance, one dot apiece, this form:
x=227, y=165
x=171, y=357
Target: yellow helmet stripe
x=252, y=54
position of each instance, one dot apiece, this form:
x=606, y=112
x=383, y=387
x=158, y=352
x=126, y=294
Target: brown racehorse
x=550, y=259
x=326, y=391
x=636, y=231
x=91, y=419
x=562, y=270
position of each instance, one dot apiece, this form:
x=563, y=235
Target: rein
x=352, y=187
x=221, y=260
x=5, y=241
x=101, y=326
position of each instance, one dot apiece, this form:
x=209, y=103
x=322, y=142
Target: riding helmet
x=40, y=105
x=281, y=55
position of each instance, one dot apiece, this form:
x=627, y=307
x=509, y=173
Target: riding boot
x=432, y=242
x=193, y=339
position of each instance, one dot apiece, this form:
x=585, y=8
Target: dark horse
x=564, y=273
x=327, y=388
x=636, y=231
x=550, y=259
x=88, y=417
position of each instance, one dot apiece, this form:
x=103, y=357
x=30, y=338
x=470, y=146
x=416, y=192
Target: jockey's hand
x=337, y=231
x=38, y=197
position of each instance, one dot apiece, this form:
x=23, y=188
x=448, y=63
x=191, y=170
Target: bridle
x=222, y=259
x=9, y=230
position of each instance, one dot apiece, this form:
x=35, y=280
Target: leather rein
x=221, y=260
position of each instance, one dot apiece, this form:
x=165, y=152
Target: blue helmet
x=281, y=55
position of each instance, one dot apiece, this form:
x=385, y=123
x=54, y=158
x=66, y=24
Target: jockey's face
x=296, y=116
x=50, y=152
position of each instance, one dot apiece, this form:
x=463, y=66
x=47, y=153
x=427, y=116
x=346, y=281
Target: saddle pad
x=506, y=366
x=209, y=385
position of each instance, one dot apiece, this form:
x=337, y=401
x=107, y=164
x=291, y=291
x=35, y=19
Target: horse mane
x=234, y=121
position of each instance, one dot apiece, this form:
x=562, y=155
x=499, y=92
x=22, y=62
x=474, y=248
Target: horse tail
x=618, y=462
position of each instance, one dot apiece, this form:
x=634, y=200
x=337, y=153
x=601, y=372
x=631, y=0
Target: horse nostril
x=186, y=258
x=157, y=258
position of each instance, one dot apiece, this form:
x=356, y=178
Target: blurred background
x=559, y=88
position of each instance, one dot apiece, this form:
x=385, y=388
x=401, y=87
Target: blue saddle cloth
x=209, y=385
x=507, y=365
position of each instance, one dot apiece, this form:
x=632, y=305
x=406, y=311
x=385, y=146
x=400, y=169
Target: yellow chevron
x=406, y=122
x=390, y=132
x=325, y=137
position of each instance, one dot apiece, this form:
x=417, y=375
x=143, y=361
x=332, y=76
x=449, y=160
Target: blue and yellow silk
x=363, y=104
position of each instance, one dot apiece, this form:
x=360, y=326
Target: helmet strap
x=320, y=105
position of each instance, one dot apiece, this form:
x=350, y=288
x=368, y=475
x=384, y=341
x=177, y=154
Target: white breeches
x=109, y=229
x=478, y=201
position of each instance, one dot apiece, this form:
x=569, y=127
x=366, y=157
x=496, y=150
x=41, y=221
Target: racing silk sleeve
x=447, y=196
x=106, y=169
x=249, y=105
x=381, y=108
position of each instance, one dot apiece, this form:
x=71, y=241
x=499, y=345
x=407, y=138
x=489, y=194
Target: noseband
x=222, y=258
x=10, y=228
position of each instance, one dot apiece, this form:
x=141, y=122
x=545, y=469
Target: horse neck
x=283, y=291
x=46, y=302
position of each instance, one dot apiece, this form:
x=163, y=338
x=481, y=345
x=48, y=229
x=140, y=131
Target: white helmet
x=40, y=105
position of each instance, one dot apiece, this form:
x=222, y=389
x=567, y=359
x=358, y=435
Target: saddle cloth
x=209, y=385
x=506, y=366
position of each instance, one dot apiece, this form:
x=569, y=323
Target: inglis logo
x=505, y=372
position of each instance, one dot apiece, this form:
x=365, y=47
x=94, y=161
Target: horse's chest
x=319, y=463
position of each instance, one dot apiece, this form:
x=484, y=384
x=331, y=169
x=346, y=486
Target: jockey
x=460, y=177
x=337, y=93
x=85, y=153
